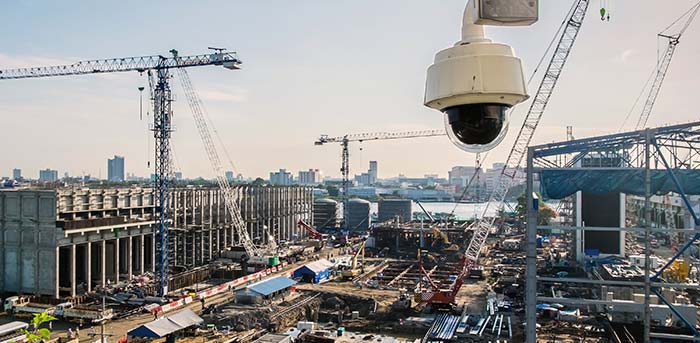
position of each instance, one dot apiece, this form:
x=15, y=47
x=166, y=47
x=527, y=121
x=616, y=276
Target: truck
x=68, y=311
x=21, y=304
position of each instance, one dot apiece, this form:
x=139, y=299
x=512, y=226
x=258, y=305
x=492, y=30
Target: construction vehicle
x=678, y=271
x=437, y=295
x=317, y=239
x=161, y=97
x=663, y=64
x=21, y=304
x=255, y=255
x=68, y=311
x=446, y=245
x=361, y=137
x=356, y=269
x=481, y=228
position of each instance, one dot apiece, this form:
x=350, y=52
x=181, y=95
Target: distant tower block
x=600, y=210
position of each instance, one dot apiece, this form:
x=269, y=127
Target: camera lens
x=476, y=127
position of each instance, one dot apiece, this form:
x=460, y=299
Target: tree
x=545, y=212
x=39, y=334
x=332, y=190
x=258, y=182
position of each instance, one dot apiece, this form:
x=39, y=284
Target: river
x=461, y=211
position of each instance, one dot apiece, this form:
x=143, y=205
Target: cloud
x=227, y=95
x=17, y=61
x=626, y=55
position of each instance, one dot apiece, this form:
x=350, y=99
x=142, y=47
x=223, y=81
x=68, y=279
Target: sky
x=310, y=67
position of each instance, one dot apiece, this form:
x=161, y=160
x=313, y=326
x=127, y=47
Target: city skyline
x=323, y=74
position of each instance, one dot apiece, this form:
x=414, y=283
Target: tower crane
x=572, y=26
x=162, y=118
x=361, y=137
x=663, y=64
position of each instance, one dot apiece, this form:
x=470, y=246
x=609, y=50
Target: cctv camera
x=474, y=84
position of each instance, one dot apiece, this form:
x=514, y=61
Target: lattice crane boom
x=113, y=65
x=361, y=137
x=662, y=67
x=658, y=81
x=527, y=131
x=232, y=207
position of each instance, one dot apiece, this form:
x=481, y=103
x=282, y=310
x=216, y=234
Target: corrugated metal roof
x=167, y=325
x=273, y=285
x=12, y=326
x=318, y=266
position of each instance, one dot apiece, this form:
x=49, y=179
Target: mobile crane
x=361, y=137
x=254, y=254
x=663, y=64
x=161, y=96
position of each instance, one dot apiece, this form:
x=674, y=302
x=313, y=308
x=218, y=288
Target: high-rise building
x=372, y=172
x=48, y=175
x=16, y=174
x=281, y=178
x=115, y=169
x=229, y=176
x=310, y=177
x=178, y=175
x=370, y=177
x=460, y=175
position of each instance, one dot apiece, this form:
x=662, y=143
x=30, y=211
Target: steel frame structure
x=669, y=148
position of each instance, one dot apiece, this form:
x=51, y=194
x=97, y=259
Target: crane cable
x=532, y=76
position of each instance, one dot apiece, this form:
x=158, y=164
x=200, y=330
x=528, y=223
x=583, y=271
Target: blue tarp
x=316, y=272
x=273, y=285
x=560, y=183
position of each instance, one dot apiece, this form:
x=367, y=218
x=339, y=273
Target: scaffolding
x=673, y=151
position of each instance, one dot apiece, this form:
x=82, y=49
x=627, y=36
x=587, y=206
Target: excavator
x=354, y=270
x=679, y=271
x=447, y=246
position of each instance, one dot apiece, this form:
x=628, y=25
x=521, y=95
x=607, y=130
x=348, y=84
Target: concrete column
x=57, y=269
x=88, y=265
x=142, y=244
x=103, y=263
x=116, y=260
x=130, y=255
x=73, y=281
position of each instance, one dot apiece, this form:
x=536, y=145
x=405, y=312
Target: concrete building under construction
x=64, y=242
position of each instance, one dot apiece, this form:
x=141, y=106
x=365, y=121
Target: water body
x=461, y=211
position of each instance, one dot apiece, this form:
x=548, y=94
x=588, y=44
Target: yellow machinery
x=354, y=270
x=678, y=271
x=447, y=245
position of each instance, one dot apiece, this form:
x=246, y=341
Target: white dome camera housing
x=474, y=84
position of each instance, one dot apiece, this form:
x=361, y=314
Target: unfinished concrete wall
x=28, y=237
x=69, y=241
